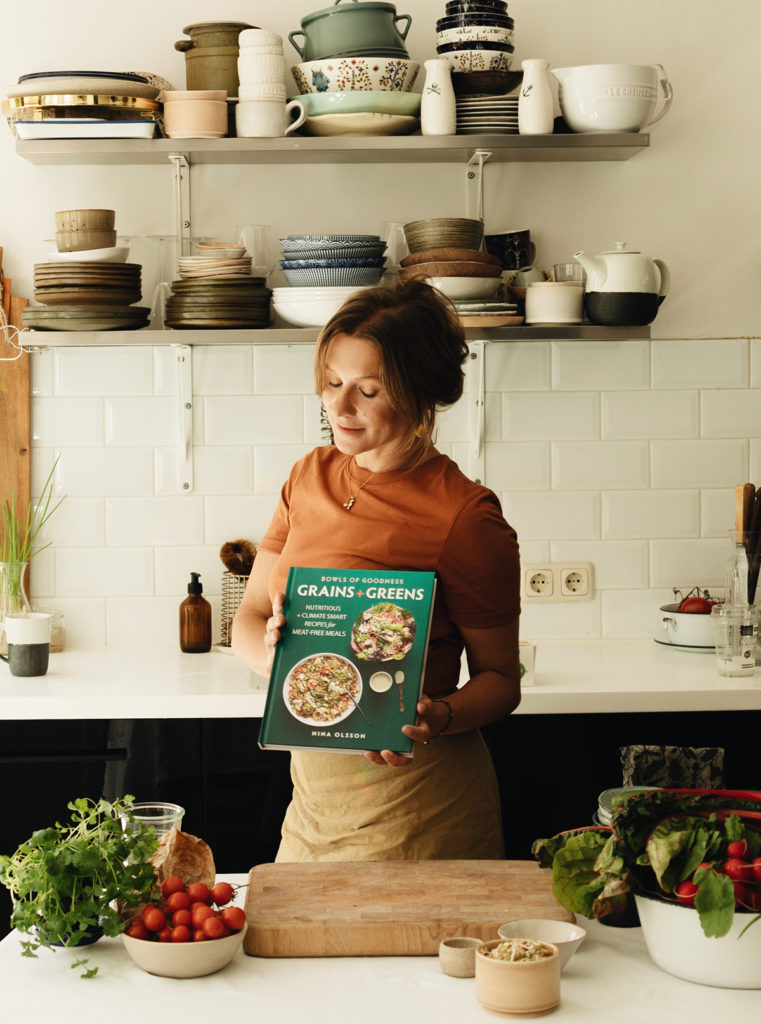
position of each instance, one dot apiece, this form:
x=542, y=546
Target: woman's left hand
x=428, y=726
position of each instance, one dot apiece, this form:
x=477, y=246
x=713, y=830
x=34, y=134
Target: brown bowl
x=447, y=255
x=77, y=241
x=454, y=268
x=85, y=220
x=444, y=233
x=485, y=83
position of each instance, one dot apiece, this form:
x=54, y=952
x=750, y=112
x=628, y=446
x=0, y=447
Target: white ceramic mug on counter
x=268, y=119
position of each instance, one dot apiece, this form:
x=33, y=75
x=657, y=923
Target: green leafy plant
x=19, y=533
x=658, y=840
x=73, y=878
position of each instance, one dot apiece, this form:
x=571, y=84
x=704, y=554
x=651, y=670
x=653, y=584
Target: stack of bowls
x=214, y=303
x=78, y=230
x=355, y=76
x=215, y=259
x=477, y=38
x=458, y=273
x=261, y=73
x=332, y=260
x=444, y=233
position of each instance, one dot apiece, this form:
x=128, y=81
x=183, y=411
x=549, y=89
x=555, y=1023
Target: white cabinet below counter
x=571, y=677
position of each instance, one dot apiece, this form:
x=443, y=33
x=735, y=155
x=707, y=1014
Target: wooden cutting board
x=389, y=908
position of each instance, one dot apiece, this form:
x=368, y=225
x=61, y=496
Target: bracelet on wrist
x=450, y=715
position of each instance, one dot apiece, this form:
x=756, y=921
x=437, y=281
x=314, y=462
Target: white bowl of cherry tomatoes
x=192, y=930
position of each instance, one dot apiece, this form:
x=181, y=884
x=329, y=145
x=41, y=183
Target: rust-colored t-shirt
x=428, y=518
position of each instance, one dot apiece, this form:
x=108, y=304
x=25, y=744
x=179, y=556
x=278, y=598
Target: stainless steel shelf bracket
x=474, y=184
x=181, y=164
x=184, y=392
x=477, y=392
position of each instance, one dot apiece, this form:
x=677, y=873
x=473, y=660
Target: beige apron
x=443, y=806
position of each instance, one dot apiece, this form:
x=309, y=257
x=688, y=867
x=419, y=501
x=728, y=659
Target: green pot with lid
x=353, y=29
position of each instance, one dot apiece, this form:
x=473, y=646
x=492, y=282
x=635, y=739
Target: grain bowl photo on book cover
x=348, y=673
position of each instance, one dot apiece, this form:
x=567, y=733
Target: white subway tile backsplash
x=688, y=563
x=84, y=620
x=633, y=613
x=312, y=428
x=754, y=472
x=41, y=372
x=545, y=416
x=174, y=566
x=105, y=471
x=598, y=365
x=125, y=370
x=155, y=521
x=165, y=370
x=731, y=413
x=216, y=470
x=138, y=421
x=260, y=419
x=518, y=366
x=67, y=421
x=100, y=572
x=700, y=363
x=616, y=563
x=534, y=551
x=244, y=517
x=517, y=466
x=550, y=515
x=76, y=522
x=283, y=369
x=755, y=363
x=647, y=414
x=575, y=620
x=273, y=463
x=131, y=620
x=225, y=370
x=582, y=465
x=699, y=463
x=650, y=514
x=717, y=512
x=452, y=424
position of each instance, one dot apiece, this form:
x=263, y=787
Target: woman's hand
x=431, y=719
x=275, y=623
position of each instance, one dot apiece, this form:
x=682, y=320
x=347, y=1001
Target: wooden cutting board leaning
x=389, y=908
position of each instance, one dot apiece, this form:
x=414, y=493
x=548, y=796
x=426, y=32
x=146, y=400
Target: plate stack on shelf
x=495, y=114
x=84, y=104
x=333, y=260
x=216, y=290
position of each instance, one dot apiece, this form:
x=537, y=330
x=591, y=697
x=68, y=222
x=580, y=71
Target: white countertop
x=571, y=676
x=610, y=980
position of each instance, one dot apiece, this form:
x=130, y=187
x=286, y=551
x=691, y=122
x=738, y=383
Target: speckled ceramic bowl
x=348, y=74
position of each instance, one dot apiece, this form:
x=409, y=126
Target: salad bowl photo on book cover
x=348, y=671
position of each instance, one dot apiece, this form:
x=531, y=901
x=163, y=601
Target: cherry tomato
x=738, y=870
x=234, y=918
x=686, y=892
x=198, y=935
x=213, y=928
x=182, y=917
x=154, y=918
x=738, y=848
x=165, y=935
x=181, y=933
x=138, y=931
x=696, y=604
x=199, y=891
x=756, y=869
x=178, y=901
x=199, y=913
x=747, y=897
x=221, y=893
x=172, y=884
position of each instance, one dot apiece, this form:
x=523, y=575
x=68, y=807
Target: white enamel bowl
x=466, y=287
x=184, y=959
x=567, y=937
x=612, y=97
x=309, y=307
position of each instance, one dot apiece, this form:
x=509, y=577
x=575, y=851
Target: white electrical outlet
x=557, y=581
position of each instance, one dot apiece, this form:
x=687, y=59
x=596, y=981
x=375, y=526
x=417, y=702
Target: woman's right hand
x=275, y=623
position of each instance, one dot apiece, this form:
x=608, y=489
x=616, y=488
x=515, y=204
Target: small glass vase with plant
x=19, y=536
x=74, y=881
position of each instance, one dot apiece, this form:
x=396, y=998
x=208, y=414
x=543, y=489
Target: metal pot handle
x=403, y=17
x=668, y=92
x=295, y=45
x=667, y=621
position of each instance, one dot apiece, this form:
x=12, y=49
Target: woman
x=382, y=497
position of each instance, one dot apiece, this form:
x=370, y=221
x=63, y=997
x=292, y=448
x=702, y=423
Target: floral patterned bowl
x=347, y=74
x=478, y=57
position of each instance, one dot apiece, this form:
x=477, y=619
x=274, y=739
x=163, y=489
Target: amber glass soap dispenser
x=195, y=619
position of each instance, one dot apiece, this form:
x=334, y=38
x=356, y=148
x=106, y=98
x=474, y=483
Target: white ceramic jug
x=438, y=110
x=535, y=104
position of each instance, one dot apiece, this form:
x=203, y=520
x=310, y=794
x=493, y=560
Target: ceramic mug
x=513, y=249
x=554, y=302
x=28, y=638
x=268, y=119
x=195, y=113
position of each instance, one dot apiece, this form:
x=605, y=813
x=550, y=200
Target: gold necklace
x=349, y=503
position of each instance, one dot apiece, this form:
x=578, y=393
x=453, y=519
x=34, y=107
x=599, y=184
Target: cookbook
x=348, y=671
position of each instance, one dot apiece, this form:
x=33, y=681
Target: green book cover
x=348, y=671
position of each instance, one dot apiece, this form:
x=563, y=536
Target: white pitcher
x=535, y=105
x=438, y=110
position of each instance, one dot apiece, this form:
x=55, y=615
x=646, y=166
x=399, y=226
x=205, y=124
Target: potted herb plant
x=689, y=860
x=19, y=542
x=71, y=882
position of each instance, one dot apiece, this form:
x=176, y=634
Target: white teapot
x=623, y=286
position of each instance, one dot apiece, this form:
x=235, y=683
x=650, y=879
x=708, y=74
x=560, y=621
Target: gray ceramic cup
x=457, y=956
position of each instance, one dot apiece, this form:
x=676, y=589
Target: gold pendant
x=348, y=504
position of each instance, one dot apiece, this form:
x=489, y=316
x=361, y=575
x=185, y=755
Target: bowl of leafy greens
x=688, y=862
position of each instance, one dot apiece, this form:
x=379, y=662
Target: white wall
x=623, y=454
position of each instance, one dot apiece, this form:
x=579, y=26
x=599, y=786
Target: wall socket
x=557, y=581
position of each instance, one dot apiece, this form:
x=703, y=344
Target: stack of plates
x=84, y=283
x=204, y=267
x=361, y=112
x=85, y=318
x=495, y=114
x=333, y=260
x=488, y=314
x=220, y=302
